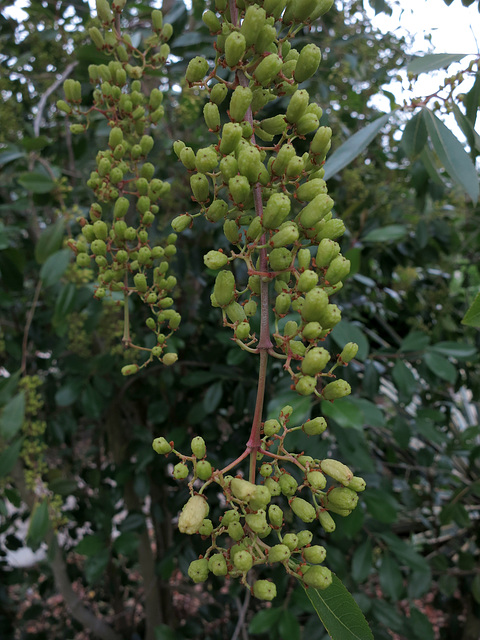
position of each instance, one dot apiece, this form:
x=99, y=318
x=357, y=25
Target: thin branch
x=43, y=100
x=242, y=612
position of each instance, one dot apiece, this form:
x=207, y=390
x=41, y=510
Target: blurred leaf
x=472, y=317
x=39, y=524
x=418, y=584
x=415, y=135
x=432, y=61
x=472, y=100
x=420, y=625
x=392, y=233
x=344, y=412
x=415, y=341
x=405, y=552
x=213, y=397
x=265, y=620
x=362, y=561
x=350, y=149
x=9, y=456
x=12, y=416
x=36, y=182
x=440, y=366
x=339, y=612
x=127, y=544
x=390, y=576
x=11, y=153
x=348, y=332
x=50, y=241
x=288, y=626
x=381, y=505
x=95, y=566
x=452, y=155
x=55, y=266
x=91, y=545
x=404, y=381
x=457, y=350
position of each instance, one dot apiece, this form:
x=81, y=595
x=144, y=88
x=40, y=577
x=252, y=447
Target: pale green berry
x=303, y=509
x=264, y=590
x=317, y=577
x=193, y=514
x=243, y=561
x=278, y=553
x=180, y=471
x=315, y=554
x=161, y=446
x=218, y=565
x=198, y=447
x=198, y=570
x=290, y=540
x=203, y=469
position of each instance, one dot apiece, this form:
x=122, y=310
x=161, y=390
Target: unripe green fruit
x=231, y=136
x=290, y=540
x=268, y=69
x=312, y=331
x=326, y=252
x=218, y=565
x=339, y=268
x=314, y=427
x=317, y=577
x=271, y=427
x=288, y=484
x=217, y=210
x=187, y=158
x=211, y=21
x=331, y=229
x=235, y=312
x=316, y=480
x=321, y=142
x=276, y=210
x=116, y=175
x=224, y=288
x=144, y=255
x=88, y=232
x=275, y=125
x=286, y=153
x=242, y=331
x=303, y=509
x=250, y=308
x=243, y=561
x=297, y=348
x=342, y=497
x=266, y=470
x=161, y=446
x=239, y=103
x=297, y=106
x=180, y=472
x=77, y=128
x=315, y=361
x=279, y=553
x=197, y=69
x=308, y=62
x=260, y=498
x=280, y=259
x=63, y=106
x=294, y=168
x=287, y=234
x=228, y=168
x=282, y=303
x=316, y=301
x=178, y=145
x=337, y=389
x=311, y=189
x=321, y=8
x=198, y=570
x=264, y=590
x=215, y=259
x=249, y=164
x=206, y=527
x=200, y=187
x=104, y=167
x=206, y=159
x=180, y=223
x=253, y=23
x=316, y=210
x=265, y=38
x=100, y=229
x=357, y=484
x=143, y=204
x=304, y=537
x=337, y=470
x=235, y=46
x=306, y=124
x=235, y=531
x=315, y=554
x=349, y=352
x=97, y=37
x=242, y=489
x=98, y=247
x=239, y=188
x=257, y=521
x=290, y=329
x=130, y=369
x=231, y=231
x=218, y=93
x=211, y=115
x=193, y=513
x=326, y=521
x=274, y=7
x=306, y=386
x=198, y=447
x=307, y=280
x=274, y=488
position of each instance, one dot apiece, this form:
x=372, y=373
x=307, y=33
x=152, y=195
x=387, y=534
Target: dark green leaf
x=133, y=522
x=348, y=332
x=344, y=412
x=472, y=100
x=373, y=415
x=11, y=153
x=95, y=566
x=420, y=625
x=452, y=155
x=440, y=366
x=391, y=233
x=39, y=524
x=415, y=135
x=9, y=456
x=381, y=505
x=415, y=341
x=50, y=241
x=265, y=620
x=362, y=561
x=11, y=418
x=91, y=545
x=468, y=131
x=404, y=381
x=472, y=317
x=340, y=614
x=36, y=182
x=418, y=584
x=405, y=552
x=432, y=61
x=127, y=543
x=54, y=267
x=164, y=632
x=457, y=350
x=388, y=615
x=213, y=397
x=288, y=626
x=350, y=149
x=390, y=576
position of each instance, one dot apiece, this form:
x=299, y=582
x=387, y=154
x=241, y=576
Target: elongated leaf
x=472, y=100
x=458, y=350
x=11, y=418
x=354, y=146
x=390, y=233
x=468, y=130
x=264, y=620
x=340, y=614
x=36, y=182
x=472, y=317
x=452, y=155
x=54, y=267
x=415, y=135
x=440, y=366
x=9, y=457
x=11, y=153
x=432, y=61
x=39, y=524
x=50, y=241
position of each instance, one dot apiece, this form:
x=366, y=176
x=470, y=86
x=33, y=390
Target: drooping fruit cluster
x=252, y=532
x=118, y=234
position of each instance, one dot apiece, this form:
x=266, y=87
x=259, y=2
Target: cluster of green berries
x=117, y=234
x=269, y=198
x=251, y=531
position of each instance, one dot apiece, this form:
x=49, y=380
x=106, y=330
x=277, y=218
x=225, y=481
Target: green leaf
x=441, y=367
x=373, y=415
x=405, y=552
x=11, y=418
x=390, y=233
x=54, y=267
x=9, y=456
x=340, y=614
x=472, y=317
x=404, y=381
x=362, y=561
x=11, y=153
x=457, y=350
x=213, y=397
x=348, y=332
x=390, y=576
x=39, y=524
x=415, y=341
x=50, y=241
x=264, y=620
x=350, y=149
x=344, y=412
x=415, y=135
x=164, y=632
x=432, y=61
x=472, y=100
x=420, y=625
x=127, y=543
x=37, y=182
x=381, y=505
x=288, y=626
x=452, y=155
x=95, y=566
x=468, y=130
x=91, y=545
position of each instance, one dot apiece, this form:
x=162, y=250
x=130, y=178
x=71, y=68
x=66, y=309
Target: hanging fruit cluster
x=118, y=233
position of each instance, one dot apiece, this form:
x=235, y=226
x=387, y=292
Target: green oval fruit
x=243, y=561
x=307, y=63
x=253, y=23
x=316, y=480
x=242, y=331
x=217, y=210
x=198, y=447
x=316, y=210
x=307, y=280
x=187, y=158
x=276, y=210
x=342, y=497
x=279, y=553
x=321, y=142
x=286, y=153
x=303, y=509
x=339, y=268
x=297, y=106
x=280, y=259
x=231, y=231
x=206, y=159
x=239, y=188
x=268, y=69
x=215, y=259
x=200, y=187
x=224, y=288
x=180, y=223
x=235, y=46
x=231, y=136
x=304, y=538
x=161, y=446
x=349, y=352
x=337, y=389
x=274, y=488
x=218, y=93
x=211, y=115
x=193, y=514
x=357, y=484
x=314, y=427
x=317, y=577
x=306, y=386
x=239, y=103
x=337, y=470
x=287, y=234
x=235, y=531
x=211, y=21
x=275, y=125
x=315, y=361
x=326, y=252
x=198, y=570
x=242, y=489
x=218, y=565
x=315, y=554
x=197, y=69
x=235, y=312
x=290, y=540
x=264, y=590
x=288, y=484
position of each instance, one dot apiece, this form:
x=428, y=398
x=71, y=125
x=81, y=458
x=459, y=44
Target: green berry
x=266, y=470
x=357, y=484
x=315, y=554
x=193, y=514
x=130, y=369
x=288, y=484
x=239, y=103
x=337, y=389
x=161, y=446
x=218, y=93
x=303, y=509
x=306, y=386
x=268, y=69
x=315, y=361
x=235, y=531
x=343, y=498
x=243, y=561
x=224, y=288
x=218, y=565
x=307, y=63
x=317, y=577
x=337, y=470
x=264, y=590
x=235, y=46
x=271, y=427
x=198, y=447
x=290, y=540
x=204, y=470
x=180, y=471
x=316, y=480
x=279, y=553
x=304, y=538
x=242, y=489
x=198, y=570
x=197, y=69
